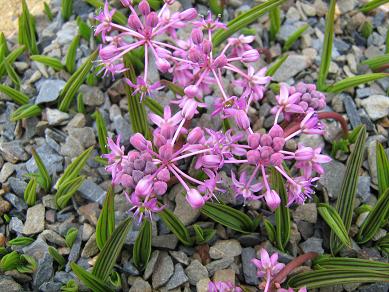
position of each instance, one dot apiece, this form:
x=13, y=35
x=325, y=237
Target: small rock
x=50, y=158
x=122, y=127
x=225, y=248
x=35, y=220
x=151, y=265
x=313, y=244
x=166, y=241
x=293, y=65
x=78, y=121
x=223, y=263
x=56, y=117
x=351, y=110
x=306, y=229
x=9, y=285
x=90, y=212
x=163, y=270
x=196, y=271
x=92, y=96
x=5, y=206
x=202, y=285
x=179, y=278
x=13, y=151
x=67, y=33
x=72, y=147
x=332, y=178
x=49, y=202
x=90, y=248
x=227, y=275
x=17, y=186
x=6, y=171
x=16, y=225
x=53, y=237
x=376, y=287
x=91, y=191
x=376, y=106
x=87, y=231
x=140, y=285
x=180, y=257
x=306, y=212
x=363, y=188
x=75, y=250
x=183, y=210
x=249, y=270
x=49, y=90
x=85, y=136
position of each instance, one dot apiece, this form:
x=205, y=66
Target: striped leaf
x=328, y=262
x=355, y=81
x=27, y=30
x=372, y=5
x=275, y=22
x=377, y=61
x=101, y=131
x=47, y=11
x=11, y=57
x=90, y=280
x=106, y=223
x=175, y=225
x=327, y=47
x=16, y=95
x=111, y=250
x=345, y=202
x=30, y=192
x=57, y=256
x=276, y=65
x=294, y=36
x=153, y=105
x=21, y=241
x=48, y=61
x=44, y=178
x=142, y=246
x=66, y=190
x=84, y=29
x=383, y=244
x=66, y=9
x=12, y=74
x=382, y=168
x=26, y=111
x=70, y=62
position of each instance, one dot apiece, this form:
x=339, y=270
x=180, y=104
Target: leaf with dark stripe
x=382, y=168
x=106, y=223
x=90, y=280
x=142, y=246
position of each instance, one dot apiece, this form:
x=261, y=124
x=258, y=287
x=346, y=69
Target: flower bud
x=134, y=23
x=169, y=2
x=250, y=56
x=211, y=161
x=197, y=36
x=152, y=19
x=266, y=140
x=195, y=136
x=188, y=14
x=163, y=65
x=272, y=199
x=144, y=186
x=144, y=7
x=125, y=3
x=253, y=140
x=242, y=120
x=160, y=188
x=108, y=52
x=195, y=55
x=276, y=131
x=150, y=167
x=266, y=152
x=139, y=142
x=278, y=143
x=207, y=47
x=163, y=175
x=304, y=153
x=189, y=109
x=126, y=180
x=220, y=62
x=159, y=140
x=191, y=91
x=163, y=53
x=166, y=152
x=195, y=199
x=253, y=156
x=276, y=159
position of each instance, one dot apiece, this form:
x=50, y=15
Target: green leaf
x=383, y=244
x=12, y=74
x=84, y=29
x=203, y=236
x=70, y=63
x=10, y=261
x=275, y=22
x=21, y=241
x=106, y=223
x=17, y=96
x=323, y=278
x=276, y=65
x=4, y=44
x=74, y=168
x=228, y=217
x=153, y=105
x=44, y=178
x=57, y=257
x=270, y=230
x=30, y=192
x=71, y=286
x=11, y=58
x=377, y=61
x=48, y=61
x=66, y=191
x=118, y=17
x=327, y=47
x=90, y=280
x=175, y=225
x=216, y=7
x=366, y=29
x=74, y=82
x=80, y=103
x=355, y=81
x=376, y=218
x=101, y=131
x=282, y=213
x=327, y=262
x=332, y=218
x=345, y=202
x=26, y=111
x=244, y=19
x=136, y=109
x=173, y=87
x=142, y=246
x=387, y=42
x=111, y=250
x=47, y=11
x=382, y=168
x=115, y=280
x=372, y=5
x=27, y=30
x=294, y=36
x=27, y=264
x=67, y=9
x=71, y=236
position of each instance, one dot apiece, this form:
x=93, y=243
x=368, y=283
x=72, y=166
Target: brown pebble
x=2, y=239
x=5, y=206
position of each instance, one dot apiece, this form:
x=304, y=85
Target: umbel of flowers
x=150, y=167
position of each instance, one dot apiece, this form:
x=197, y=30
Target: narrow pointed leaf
x=17, y=96
x=106, y=223
x=30, y=192
x=66, y=191
x=101, y=131
x=377, y=61
x=111, y=250
x=11, y=57
x=57, y=256
x=345, y=201
x=84, y=29
x=294, y=36
x=48, y=61
x=71, y=236
x=44, y=174
x=26, y=111
x=277, y=64
x=382, y=168
x=173, y=87
x=176, y=226
x=154, y=106
x=71, y=55
x=355, y=81
x=372, y=5
x=66, y=9
x=270, y=230
x=21, y=241
x=12, y=74
x=275, y=22
x=327, y=46
x=142, y=246
x=327, y=262
x=90, y=280
x=47, y=11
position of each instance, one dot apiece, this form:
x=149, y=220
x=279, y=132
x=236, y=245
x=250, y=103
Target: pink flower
x=167, y=124
x=142, y=87
x=309, y=160
x=195, y=199
x=300, y=190
x=272, y=199
x=244, y=187
x=146, y=207
x=209, y=24
x=222, y=287
x=105, y=19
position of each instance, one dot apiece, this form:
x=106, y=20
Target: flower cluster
x=194, y=64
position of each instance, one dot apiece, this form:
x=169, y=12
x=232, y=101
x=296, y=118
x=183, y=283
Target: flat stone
x=223, y=263
x=85, y=136
x=72, y=147
x=293, y=65
x=227, y=275
x=306, y=212
x=249, y=270
x=183, y=210
x=163, y=270
x=225, y=248
x=5, y=206
x=49, y=90
x=35, y=220
x=78, y=121
x=166, y=241
x=122, y=127
x=17, y=185
x=39, y=250
x=87, y=231
x=312, y=244
x=16, y=225
x=332, y=178
x=180, y=257
x=178, y=279
x=49, y=202
x=376, y=287
x=91, y=191
x=75, y=250
x=9, y=285
x=6, y=171
x=50, y=158
x=363, y=188
x=13, y=151
x=376, y=106
x=140, y=285
x=351, y=110
x=53, y=237
x=67, y=33
x=90, y=212
x=56, y=117
x=91, y=248
x=202, y=285
x=151, y=265
x=92, y=96
x=195, y=272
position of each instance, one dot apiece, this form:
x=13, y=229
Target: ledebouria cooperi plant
x=200, y=69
